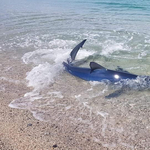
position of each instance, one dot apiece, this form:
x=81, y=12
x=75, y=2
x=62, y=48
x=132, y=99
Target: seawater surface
x=43, y=33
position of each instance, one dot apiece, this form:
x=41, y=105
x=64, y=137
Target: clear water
x=42, y=34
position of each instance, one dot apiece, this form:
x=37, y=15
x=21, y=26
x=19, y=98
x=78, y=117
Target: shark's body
x=96, y=72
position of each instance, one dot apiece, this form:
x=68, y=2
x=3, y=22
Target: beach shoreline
x=65, y=128
x=43, y=107
x=19, y=130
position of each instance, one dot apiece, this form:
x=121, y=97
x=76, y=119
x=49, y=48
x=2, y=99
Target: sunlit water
x=42, y=34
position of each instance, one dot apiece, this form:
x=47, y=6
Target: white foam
x=43, y=75
x=46, y=69
x=68, y=107
x=35, y=56
x=78, y=96
x=104, y=122
x=111, y=46
x=31, y=94
x=103, y=114
x=140, y=83
x=56, y=94
x=46, y=55
x=91, y=89
x=142, y=54
x=56, y=50
x=11, y=80
x=86, y=104
x=84, y=53
x=61, y=43
x=21, y=103
x=94, y=83
x=48, y=64
x=39, y=116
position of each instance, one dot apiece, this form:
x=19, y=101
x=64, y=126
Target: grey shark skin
x=95, y=72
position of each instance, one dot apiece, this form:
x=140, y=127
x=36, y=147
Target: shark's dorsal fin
x=75, y=50
x=94, y=66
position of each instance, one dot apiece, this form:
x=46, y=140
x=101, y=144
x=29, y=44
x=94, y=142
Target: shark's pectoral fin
x=94, y=66
x=115, y=94
x=76, y=49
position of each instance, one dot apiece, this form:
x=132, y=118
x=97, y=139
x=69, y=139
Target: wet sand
x=19, y=130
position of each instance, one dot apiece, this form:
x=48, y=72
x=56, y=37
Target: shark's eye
x=116, y=76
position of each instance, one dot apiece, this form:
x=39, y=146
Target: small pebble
x=29, y=125
x=54, y=146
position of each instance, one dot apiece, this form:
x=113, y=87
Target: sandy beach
x=66, y=128
x=19, y=130
x=42, y=107
x=67, y=124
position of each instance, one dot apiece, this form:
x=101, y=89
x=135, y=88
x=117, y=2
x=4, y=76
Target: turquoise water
x=95, y=14
x=42, y=34
x=114, y=29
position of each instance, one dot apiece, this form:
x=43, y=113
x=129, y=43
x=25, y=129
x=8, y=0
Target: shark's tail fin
x=75, y=51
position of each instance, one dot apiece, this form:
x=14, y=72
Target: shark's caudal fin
x=94, y=66
x=75, y=50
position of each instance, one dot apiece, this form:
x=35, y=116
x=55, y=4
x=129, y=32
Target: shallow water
x=43, y=34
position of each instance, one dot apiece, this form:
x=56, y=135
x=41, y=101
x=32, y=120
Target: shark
x=95, y=72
